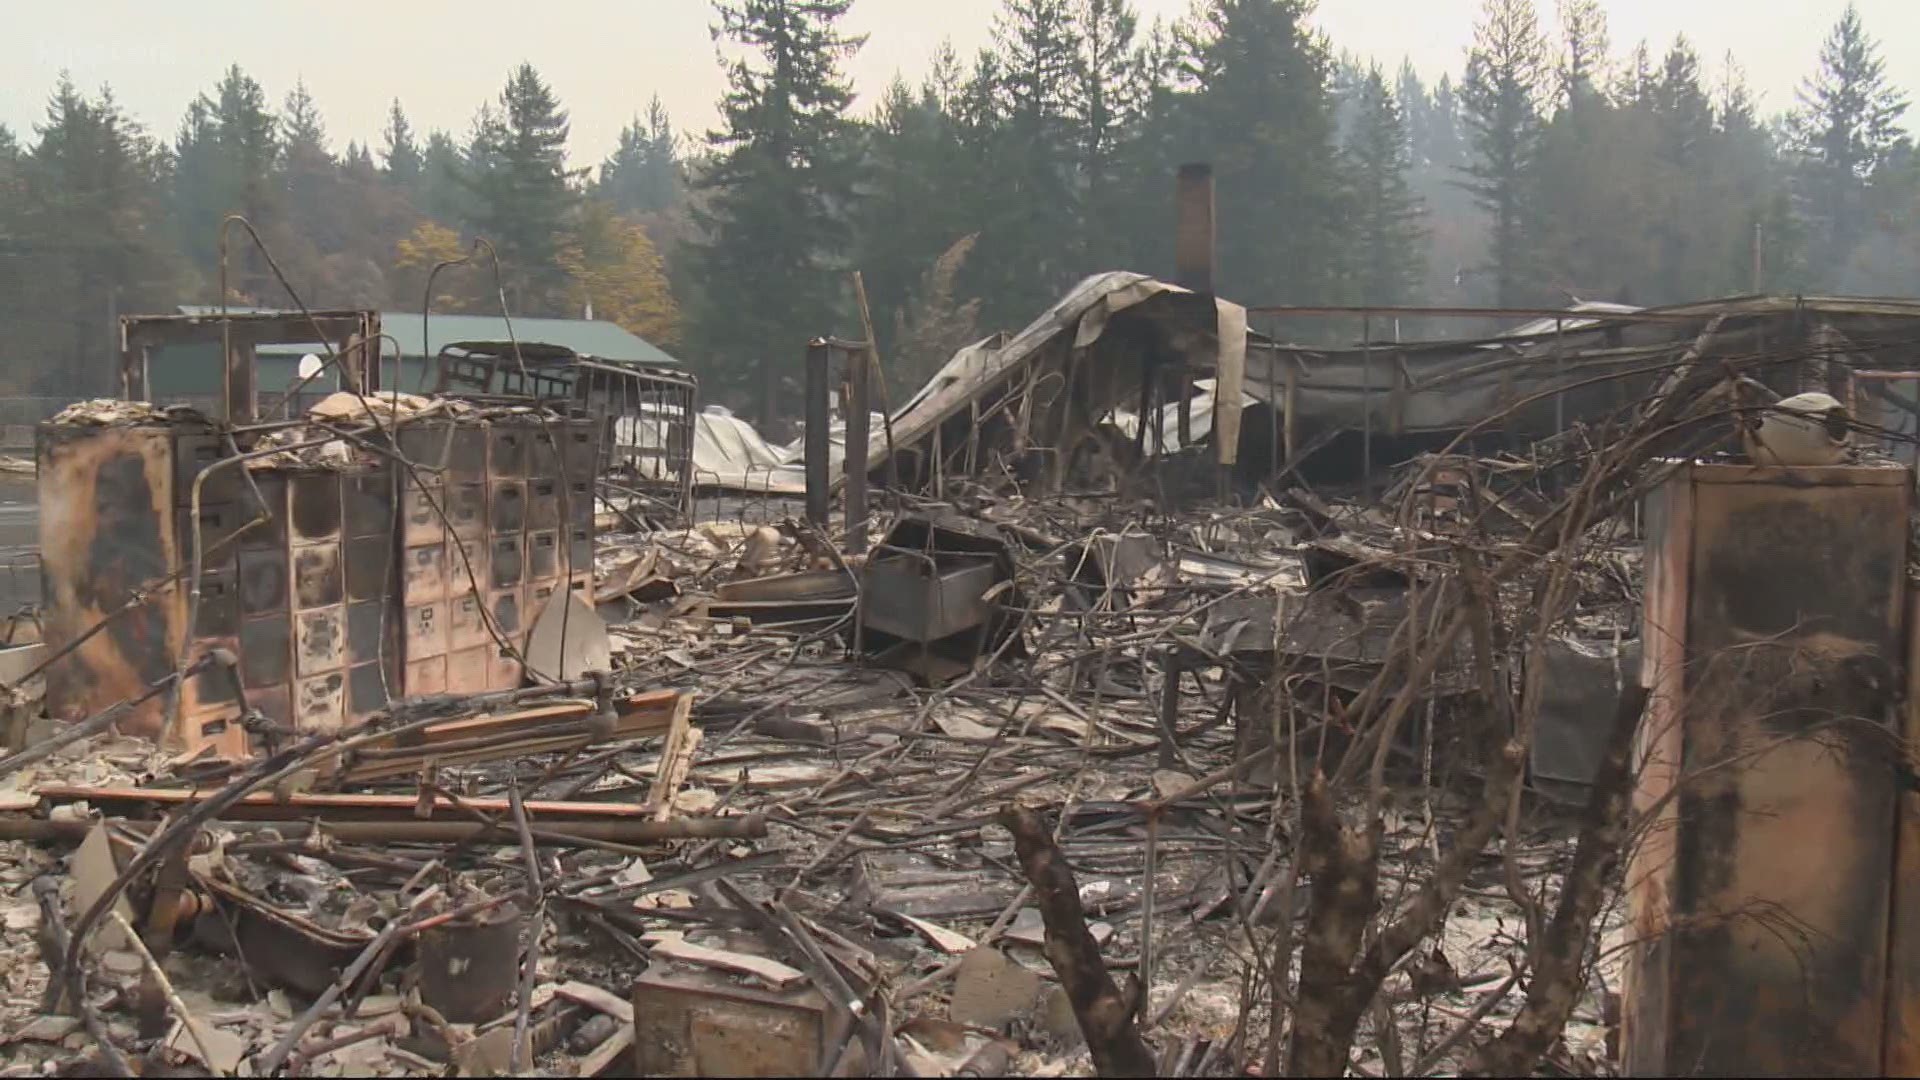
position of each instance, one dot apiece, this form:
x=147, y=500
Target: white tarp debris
x=1200, y=424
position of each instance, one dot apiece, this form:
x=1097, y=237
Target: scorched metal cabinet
x=1760, y=885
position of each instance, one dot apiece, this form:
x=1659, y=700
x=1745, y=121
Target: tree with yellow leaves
x=457, y=290
x=614, y=268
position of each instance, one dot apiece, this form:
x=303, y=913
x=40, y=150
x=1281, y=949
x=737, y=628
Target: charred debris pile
x=1101, y=709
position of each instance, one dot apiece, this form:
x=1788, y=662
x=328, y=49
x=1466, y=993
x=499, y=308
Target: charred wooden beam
x=1106, y=1015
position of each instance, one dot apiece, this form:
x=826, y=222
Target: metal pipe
x=1559, y=393
x=818, y=433
x=1193, y=240
x=855, y=459
x=555, y=832
x=1366, y=406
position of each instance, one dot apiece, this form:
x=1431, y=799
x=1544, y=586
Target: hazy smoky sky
x=607, y=57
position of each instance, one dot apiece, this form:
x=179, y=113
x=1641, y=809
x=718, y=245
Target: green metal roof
x=588, y=337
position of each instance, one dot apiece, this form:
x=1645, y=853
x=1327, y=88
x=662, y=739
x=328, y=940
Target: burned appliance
x=931, y=596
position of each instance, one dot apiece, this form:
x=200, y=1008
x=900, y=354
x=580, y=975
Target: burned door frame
x=352, y=336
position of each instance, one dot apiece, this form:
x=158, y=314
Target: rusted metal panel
x=543, y=555
x=428, y=676
x=506, y=559
x=318, y=577
x=1759, y=897
x=468, y=628
x=508, y=509
x=424, y=572
x=319, y=703
x=506, y=605
x=467, y=510
x=1901, y=1053
x=505, y=504
x=367, y=691
x=420, y=522
x=107, y=498
x=470, y=667
x=425, y=630
x=698, y=1023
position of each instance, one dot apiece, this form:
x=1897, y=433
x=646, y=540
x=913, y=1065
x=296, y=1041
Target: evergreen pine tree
x=1258, y=108
x=1346, y=85
x=1633, y=83
x=1502, y=99
x=778, y=192
x=643, y=174
x=1030, y=232
x=1133, y=222
x=1684, y=214
x=1583, y=56
x=911, y=208
x=322, y=224
x=1416, y=108
x=1734, y=109
x=1747, y=177
x=523, y=193
x=1680, y=105
x=1845, y=127
x=401, y=154
x=302, y=128
x=443, y=187
x=225, y=155
x=88, y=202
x=1105, y=107
x=1446, y=129
x=1389, y=243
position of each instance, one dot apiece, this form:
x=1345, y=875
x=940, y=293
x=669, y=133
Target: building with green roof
x=193, y=372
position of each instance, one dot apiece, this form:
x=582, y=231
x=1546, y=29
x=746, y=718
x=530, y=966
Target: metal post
x=1559, y=389
x=1170, y=670
x=817, y=434
x=243, y=399
x=1193, y=256
x=856, y=456
x=1366, y=406
x=114, y=379
x=1287, y=408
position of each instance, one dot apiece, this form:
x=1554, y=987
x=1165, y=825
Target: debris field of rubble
x=1045, y=775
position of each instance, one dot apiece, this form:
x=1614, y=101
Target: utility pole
x=1759, y=261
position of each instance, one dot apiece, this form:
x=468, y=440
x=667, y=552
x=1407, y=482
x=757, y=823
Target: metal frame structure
x=352, y=336
x=1285, y=363
x=645, y=415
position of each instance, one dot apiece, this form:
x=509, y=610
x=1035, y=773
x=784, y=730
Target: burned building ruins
x=1174, y=686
